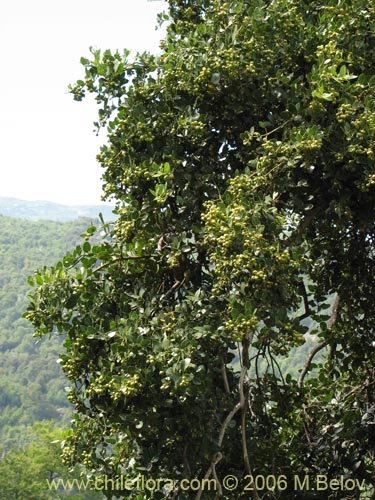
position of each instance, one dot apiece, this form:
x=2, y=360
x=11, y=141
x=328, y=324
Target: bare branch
x=219, y=488
x=312, y=353
x=226, y=423
x=224, y=374
x=240, y=386
x=307, y=312
x=243, y=405
x=245, y=350
x=332, y=320
x=219, y=455
x=173, y=288
x=244, y=444
x=211, y=470
x=160, y=244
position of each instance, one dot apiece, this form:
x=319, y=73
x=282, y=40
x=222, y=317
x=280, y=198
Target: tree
x=29, y=472
x=243, y=164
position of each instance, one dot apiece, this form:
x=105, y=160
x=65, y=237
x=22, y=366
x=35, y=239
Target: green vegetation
x=31, y=471
x=32, y=385
x=242, y=159
x=31, y=382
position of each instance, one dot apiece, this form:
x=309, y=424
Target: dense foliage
x=32, y=387
x=31, y=382
x=242, y=159
x=33, y=471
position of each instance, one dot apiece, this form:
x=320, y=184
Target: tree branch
x=335, y=308
x=243, y=438
x=121, y=259
x=226, y=423
x=224, y=374
x=243, y=406
x=219, y=488
x=173, y=288
x=332, y=320
x=245, y=350
x=210, y=471
x=239, y=406
x=307, y=312
x=311, y=356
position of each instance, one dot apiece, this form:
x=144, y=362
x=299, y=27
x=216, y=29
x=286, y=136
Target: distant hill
x=31, y=382
x=46, y=210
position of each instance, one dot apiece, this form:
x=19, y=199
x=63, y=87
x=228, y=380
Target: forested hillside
x=31, y=384
x=46, y=210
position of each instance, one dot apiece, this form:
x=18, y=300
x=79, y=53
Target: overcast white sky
x=47, y=144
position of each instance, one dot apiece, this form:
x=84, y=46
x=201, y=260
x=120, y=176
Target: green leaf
x=86, y=247
x=39, y=279
x=343, y=71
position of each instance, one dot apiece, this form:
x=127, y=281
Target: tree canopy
x=242, y=159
